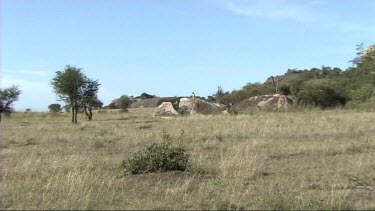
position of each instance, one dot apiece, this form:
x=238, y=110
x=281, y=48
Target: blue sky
x=174, y=47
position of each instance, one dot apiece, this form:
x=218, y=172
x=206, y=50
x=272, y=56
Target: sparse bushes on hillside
x=145, y=96
x=323, y=87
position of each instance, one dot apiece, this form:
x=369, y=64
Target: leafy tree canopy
x=74, y=88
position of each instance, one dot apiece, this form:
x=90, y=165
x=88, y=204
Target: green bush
x=159, y=157
x=123, y=102
x=54, y=108
x=322, y=93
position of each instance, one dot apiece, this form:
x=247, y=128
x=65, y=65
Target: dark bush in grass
x=160, y=157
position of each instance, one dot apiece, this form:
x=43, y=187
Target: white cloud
x=38, y=73
x=347, y=28
x=303, y=11
x=299, y=11
x=35, y=73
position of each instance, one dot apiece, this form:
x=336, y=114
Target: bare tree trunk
x=275, y=84
x=1, y=110
x=89, y=113
x=76, y=115
x=372, y=98
x=73, y=114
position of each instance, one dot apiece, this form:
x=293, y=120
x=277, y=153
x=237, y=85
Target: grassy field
x=267, y=160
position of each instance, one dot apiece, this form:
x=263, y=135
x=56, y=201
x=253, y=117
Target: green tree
x=358, y=60
x=90, y=104
x=67, y=108
x=123, y=102
x=7, y=97
x=90, y=99
x=285, y=89
x=74, y=88
x=322, y=93
x=146, y=96
x=112, y=105
x=295, y=87
x=362, y=94
x=54, y=108
x=219, y=94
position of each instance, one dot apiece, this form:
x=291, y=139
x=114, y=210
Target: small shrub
x=159, y=157
x=166, y=137
x=204, y=170
x=359, y=148
x=30, y=141
x=97, y=144
x=219, y=138
x=227, y=205
x=144, y=127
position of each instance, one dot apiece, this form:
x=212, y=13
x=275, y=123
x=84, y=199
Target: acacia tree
x=123, y=102
x=90, y=104
x=90, y=99
x=74, y=88
x=7, y=97
x=219, y=94
x=54, y=108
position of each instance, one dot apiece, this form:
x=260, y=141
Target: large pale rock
x=187, y=104
x=265, y=102
x=198, y=106
x=165, y=110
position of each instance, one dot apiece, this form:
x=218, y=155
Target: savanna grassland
x=262, y=160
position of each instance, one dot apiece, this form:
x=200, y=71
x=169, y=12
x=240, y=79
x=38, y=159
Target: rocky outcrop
x=165, y=110
x=198, y=106
x=152, y=102
x=145, y=103
x=265, y=102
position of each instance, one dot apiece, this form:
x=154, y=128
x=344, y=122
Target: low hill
x=325, y=86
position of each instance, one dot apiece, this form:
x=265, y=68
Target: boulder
x=165, y=110
x=198, y=106
x=265, y=102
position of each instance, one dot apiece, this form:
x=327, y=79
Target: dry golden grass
x=276, y=160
